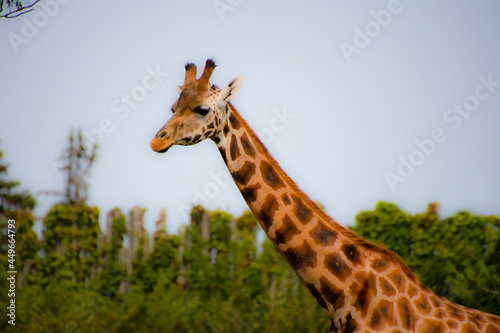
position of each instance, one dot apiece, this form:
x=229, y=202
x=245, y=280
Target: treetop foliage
x=457, y=257
x=214, y=276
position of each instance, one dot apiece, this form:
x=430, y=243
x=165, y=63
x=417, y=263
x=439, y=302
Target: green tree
x=11, y=199
x=457, y=257
x=108, y=281
x=19, y=245
x=70, y=244
x=74, y=168
x=196, y=255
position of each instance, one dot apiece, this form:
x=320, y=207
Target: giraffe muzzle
x=161, y=143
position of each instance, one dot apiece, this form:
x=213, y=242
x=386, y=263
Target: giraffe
x=363, y=287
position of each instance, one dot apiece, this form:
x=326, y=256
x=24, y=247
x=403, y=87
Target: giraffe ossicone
x=363, y=287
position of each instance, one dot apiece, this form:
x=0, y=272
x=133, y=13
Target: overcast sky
x=358, y=101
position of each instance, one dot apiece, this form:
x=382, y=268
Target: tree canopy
x=214, y=275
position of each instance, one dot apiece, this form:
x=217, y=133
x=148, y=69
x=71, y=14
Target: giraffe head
x=199, y=112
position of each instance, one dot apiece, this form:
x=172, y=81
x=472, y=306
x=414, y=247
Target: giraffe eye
x=201, y=110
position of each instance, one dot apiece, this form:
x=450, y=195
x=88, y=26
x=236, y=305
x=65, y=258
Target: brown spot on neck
x=406, y=314
x=317, y=294
x=303, y=213
x=250, y=192
x=386, y=287
x=336, y=265
x=286, y=199
x=323, y=235
x=270, y=176
x=286, y=232
x=244, y=174
x=423, y=305
x=398, y=280
x=432, y=326
x=234, y=149
x=247, y=146
x=352, y=254
x=332, y=294
x=235, y=123
x=301, y=256
x=382, y=316
x=367, y=290
x=266, y=213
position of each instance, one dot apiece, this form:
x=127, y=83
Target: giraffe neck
x=299, y=229
x=358, y=283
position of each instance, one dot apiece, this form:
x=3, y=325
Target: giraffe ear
x=231, y=89
x=179, y=89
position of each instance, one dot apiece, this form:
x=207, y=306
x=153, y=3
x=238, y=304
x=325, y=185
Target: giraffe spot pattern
x=336, y=265
x=406, y=314
x=287, y=231
x=234, y=122
x=215, y=139
x=333, y=328
x=468, y=328
x=436, y=302
x=386, y=287
x=451, y=324
x=303, y=213
x=476, y=319
x=301, y=256
x=266, y=213
x=332, y=294
x=234, y=149
x=222, y=151
x=382, y=316
x=250, y=192
x=432, y=326
x=379, y=265
x=494, y=319
x=351, y=324
x=323, y=235
x=196, y=138
x=439, y=314
x=286, y=199
x=315, y=292
x=492, y=329
x=352, y=254
x=455, y=311
x=367, y=289
x=422, y=304
x=270, y=176
x=247, y=146
x=244, y=174
x=398, y=280
x=412, y=290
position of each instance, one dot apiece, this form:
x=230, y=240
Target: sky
x=359, y=102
